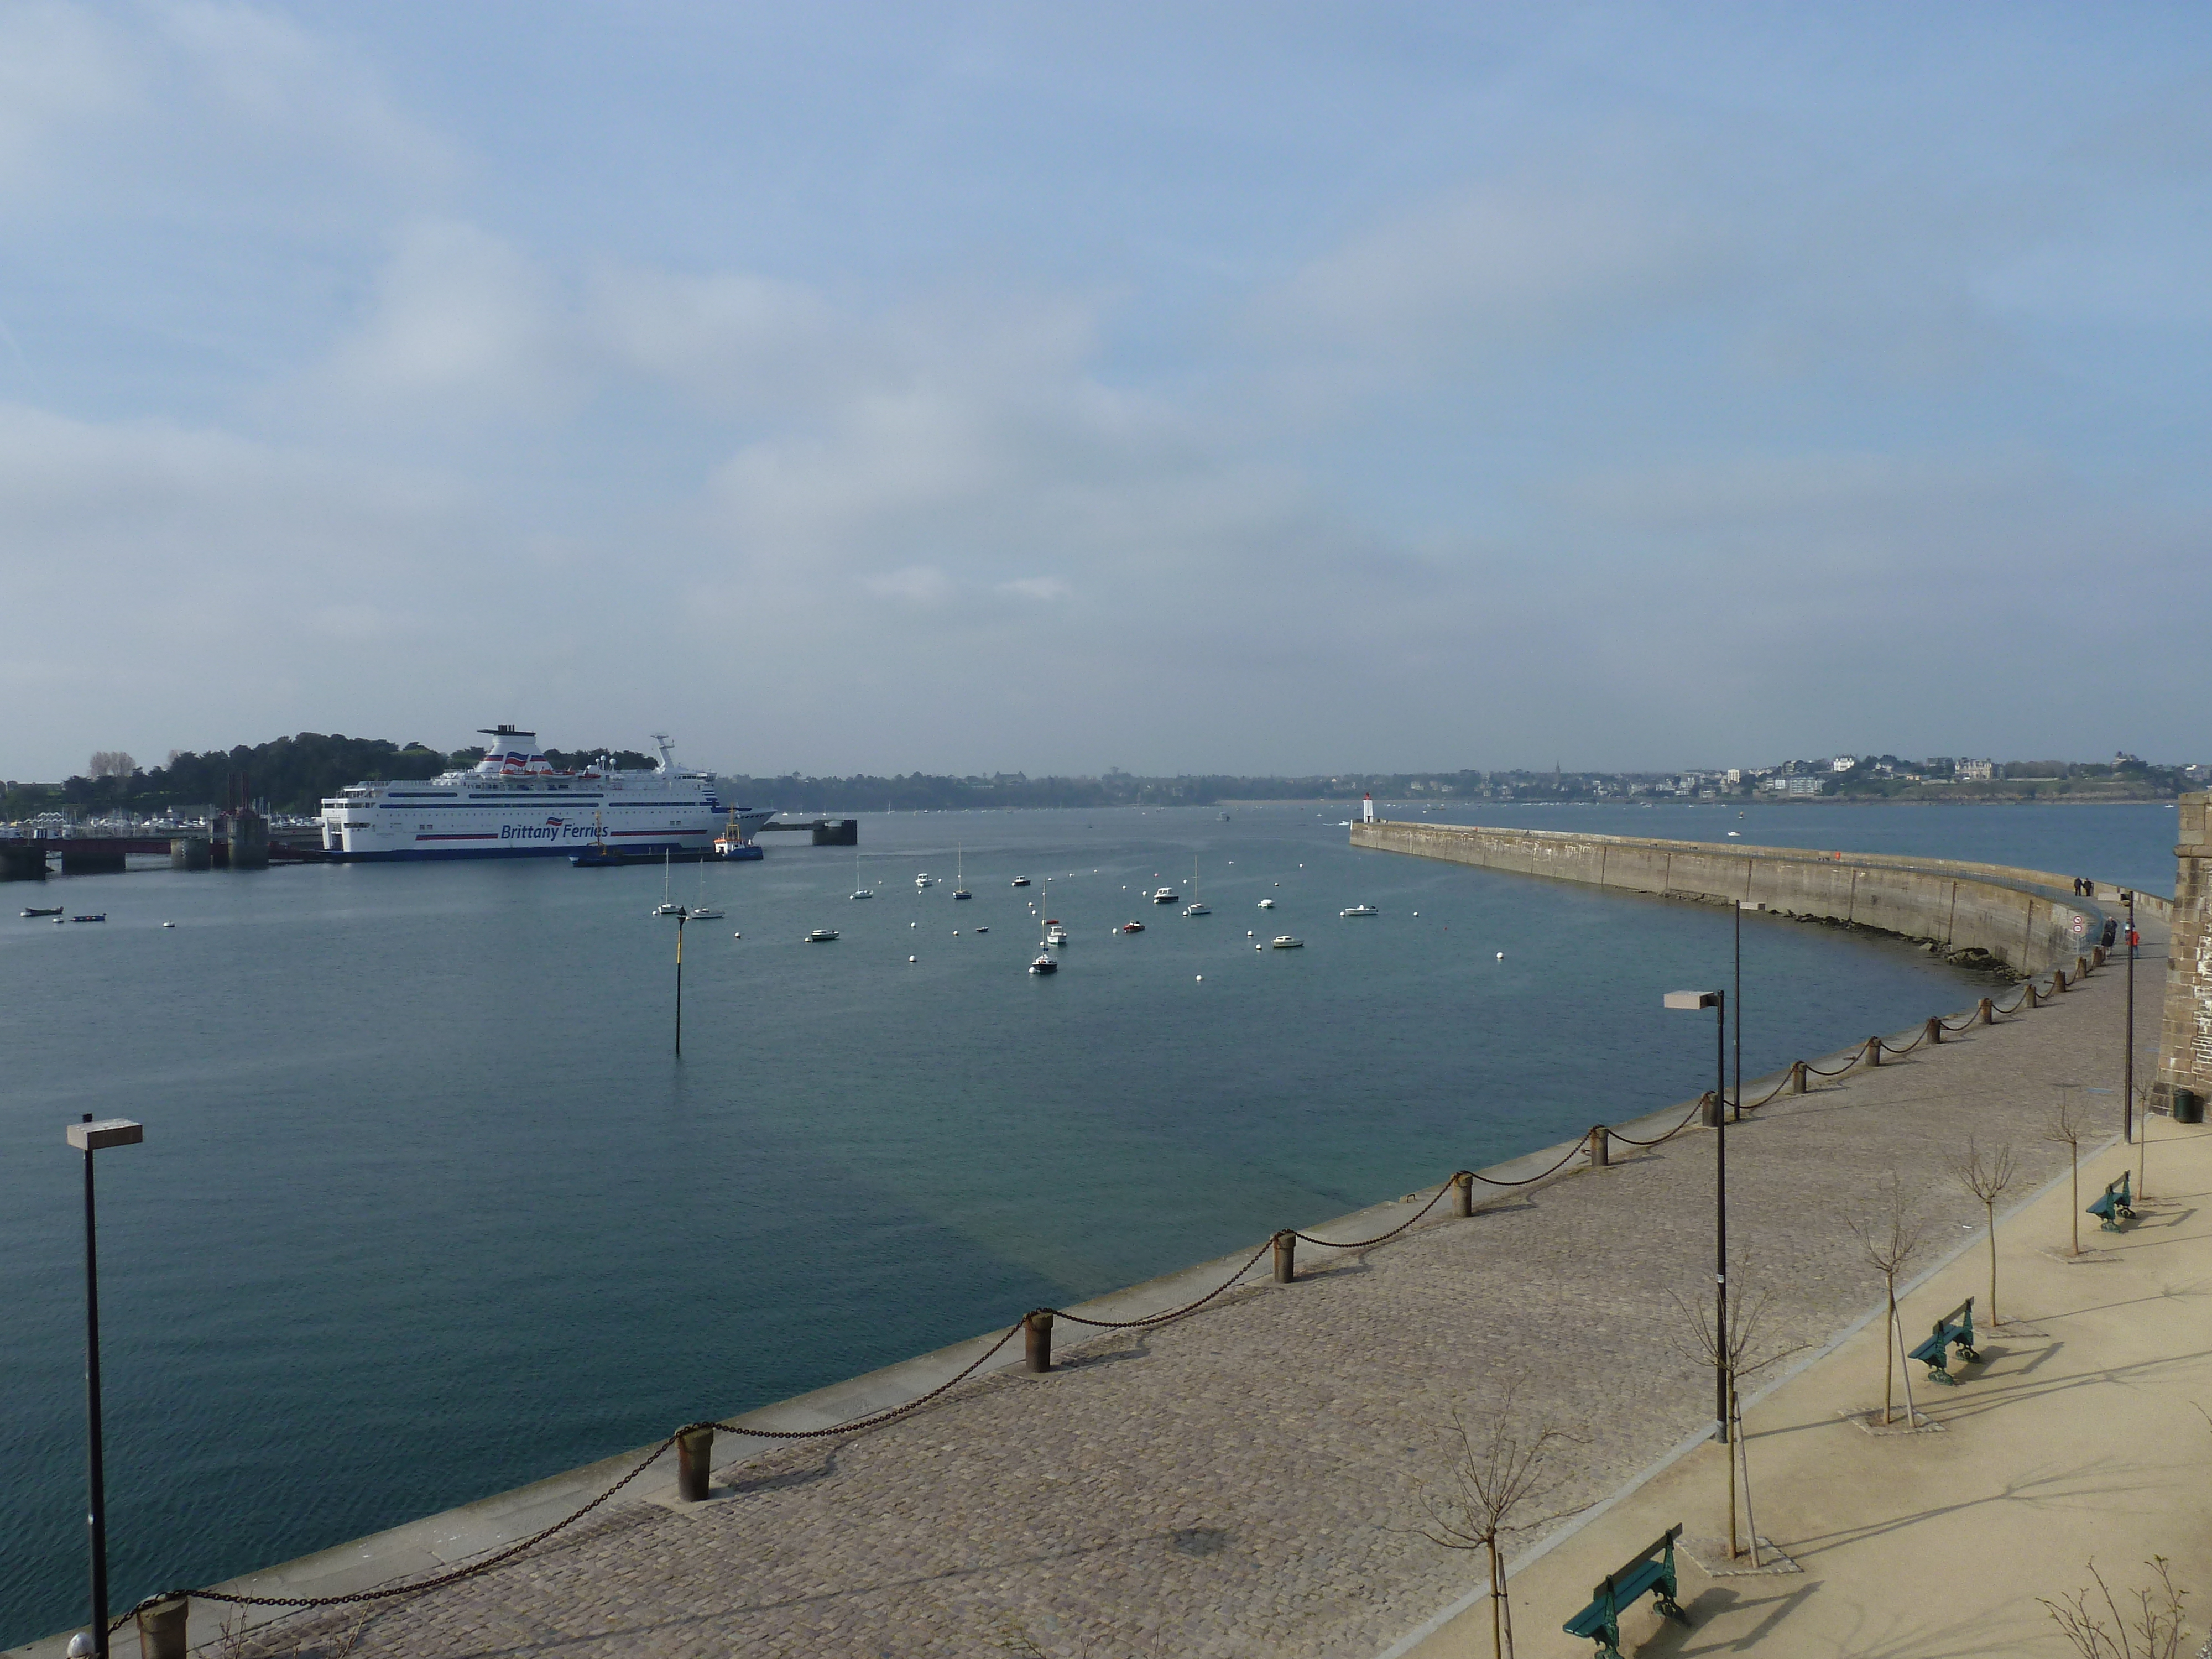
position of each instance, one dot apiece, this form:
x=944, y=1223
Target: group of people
x=2084, y=888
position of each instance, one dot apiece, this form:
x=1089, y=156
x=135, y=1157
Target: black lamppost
x=88, y=1137
x=1717, y=1001
x=682, y=916
x=2128, y=1064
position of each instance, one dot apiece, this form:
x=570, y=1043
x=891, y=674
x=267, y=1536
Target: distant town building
x=1843, y=763
x=1793, y=785
x=1977, y=770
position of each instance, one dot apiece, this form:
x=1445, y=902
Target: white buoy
x=1200, y=978
x=1501, y=955
x=736, y=936
x=956, y=932
x=909, y=958
x=169, y=924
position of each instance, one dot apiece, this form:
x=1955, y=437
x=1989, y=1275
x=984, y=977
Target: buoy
x=1417, y=913
x=1501, y=955
x=956, y=932
x=736, y=936
x=909, y=958
x=169, y=924
x=1200, y=978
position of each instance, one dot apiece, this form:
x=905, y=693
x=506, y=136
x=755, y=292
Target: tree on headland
x=110, y=764
x=1985, y=1172
x=1498, y=1471
x=1888, y=1240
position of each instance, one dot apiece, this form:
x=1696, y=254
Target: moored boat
x=1044, y=964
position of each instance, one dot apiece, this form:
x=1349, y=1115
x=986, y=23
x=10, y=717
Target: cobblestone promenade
x=1246, y=1481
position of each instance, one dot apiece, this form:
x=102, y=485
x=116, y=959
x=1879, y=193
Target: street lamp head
x=81, y=1646
x=1693, y=999
x=91, y=1137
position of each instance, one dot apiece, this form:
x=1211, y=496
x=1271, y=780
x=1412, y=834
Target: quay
x=1250, y=1477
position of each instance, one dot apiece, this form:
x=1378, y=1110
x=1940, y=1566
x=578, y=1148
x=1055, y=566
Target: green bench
x=1955, y=1329
x=2116, y=1206
x=1652, y=1569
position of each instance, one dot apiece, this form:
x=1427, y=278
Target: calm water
x=426, y=1208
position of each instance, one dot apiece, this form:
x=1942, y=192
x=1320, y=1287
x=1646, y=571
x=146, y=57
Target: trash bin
x=2188, y=1106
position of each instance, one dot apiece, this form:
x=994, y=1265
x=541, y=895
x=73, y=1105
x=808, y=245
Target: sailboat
x=960, y=875
x=1197, y=907
x=668, y=907
x=702, y=910
x=859, y=891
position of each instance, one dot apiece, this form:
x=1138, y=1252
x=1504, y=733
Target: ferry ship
x=513, y=804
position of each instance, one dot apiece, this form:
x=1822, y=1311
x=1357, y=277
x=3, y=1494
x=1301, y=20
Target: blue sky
x=1226, y=388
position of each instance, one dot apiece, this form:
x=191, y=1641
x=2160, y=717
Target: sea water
x=427, y=1207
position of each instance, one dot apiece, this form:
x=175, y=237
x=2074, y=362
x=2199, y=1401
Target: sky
x=1223, y=387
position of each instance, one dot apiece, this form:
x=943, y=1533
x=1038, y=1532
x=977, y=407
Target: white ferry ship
x=512, y=804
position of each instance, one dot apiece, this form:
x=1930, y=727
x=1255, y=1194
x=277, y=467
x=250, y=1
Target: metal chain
x=1178, y=1313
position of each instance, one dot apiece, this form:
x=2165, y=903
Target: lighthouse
x=1367, y=809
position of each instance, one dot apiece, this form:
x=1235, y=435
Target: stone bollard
x=1935, y=1029
x=1463, y=1193
x=1873, y=1051
x=1986, y=1012
x=1037, y=1339
x=2080, y=969
x=2096, y=955
x=1796, y=1077
x=1710, y=1102
x=1287, y=1256
x=1601, y=1147
x=694, y=1456
x=2057, y=981
x=161, y=1628
x=2029, y=999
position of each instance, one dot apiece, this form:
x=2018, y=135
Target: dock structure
x=1250, y=1478
x=826, y=832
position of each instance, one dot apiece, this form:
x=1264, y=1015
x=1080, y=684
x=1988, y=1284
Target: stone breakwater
x=1977, y=914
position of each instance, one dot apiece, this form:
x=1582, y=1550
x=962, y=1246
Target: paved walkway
x=1245, y=1482
x=2078, y=1439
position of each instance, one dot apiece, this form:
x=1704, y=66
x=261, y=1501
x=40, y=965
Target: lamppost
x=89, y=1136
x=1717, y=1001
x=682, y=916
x=2128, y=1064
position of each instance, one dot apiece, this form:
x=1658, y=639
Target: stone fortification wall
x=2185, y=1060
x=1969, y=915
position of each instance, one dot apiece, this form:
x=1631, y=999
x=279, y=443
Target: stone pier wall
x=1966, y=913
x=2186, y=1033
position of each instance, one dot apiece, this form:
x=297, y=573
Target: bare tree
x=1888, y=1240
x=1741, y=1353
x=2063, y=1128
x=2159, y=1624
x=110, y=764
x=1986, y=1172
x=1499, y=1471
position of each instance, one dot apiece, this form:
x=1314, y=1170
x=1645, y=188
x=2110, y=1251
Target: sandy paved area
x=1245, y=1482
x=2078, y=1438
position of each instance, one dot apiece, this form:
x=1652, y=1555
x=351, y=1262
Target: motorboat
x=821, y=935
x=1359, y=911
x=1166, y=896
x=1044, y=964
x=1054, y=933
x=1021, y=881
x=1195, y=909
x=40, y=910
x=1267, y=904
x=101, y=916
x=924, y=880
x=1285, y=942
x=1132, y=928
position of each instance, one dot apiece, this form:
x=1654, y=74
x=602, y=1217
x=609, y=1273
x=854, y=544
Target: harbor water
x=427, y=1208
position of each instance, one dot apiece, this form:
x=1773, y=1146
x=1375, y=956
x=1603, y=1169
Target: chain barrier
x=302, y=1603
x=386, y=1592
x=1163, y=1318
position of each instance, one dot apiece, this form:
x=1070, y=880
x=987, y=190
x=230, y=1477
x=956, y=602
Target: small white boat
x=1358, y=910
x=1285, y=942
x=863, y=892
x=821, y=936
x=960, y=875
x=667, y=907
x=859, y=891
x=1044, y=964
x=1166, y=896
x=922, y=881
x=1267, y=904
x=1195, y=909
x=704, y=911
x=1021, y=881
x=1054, y=933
